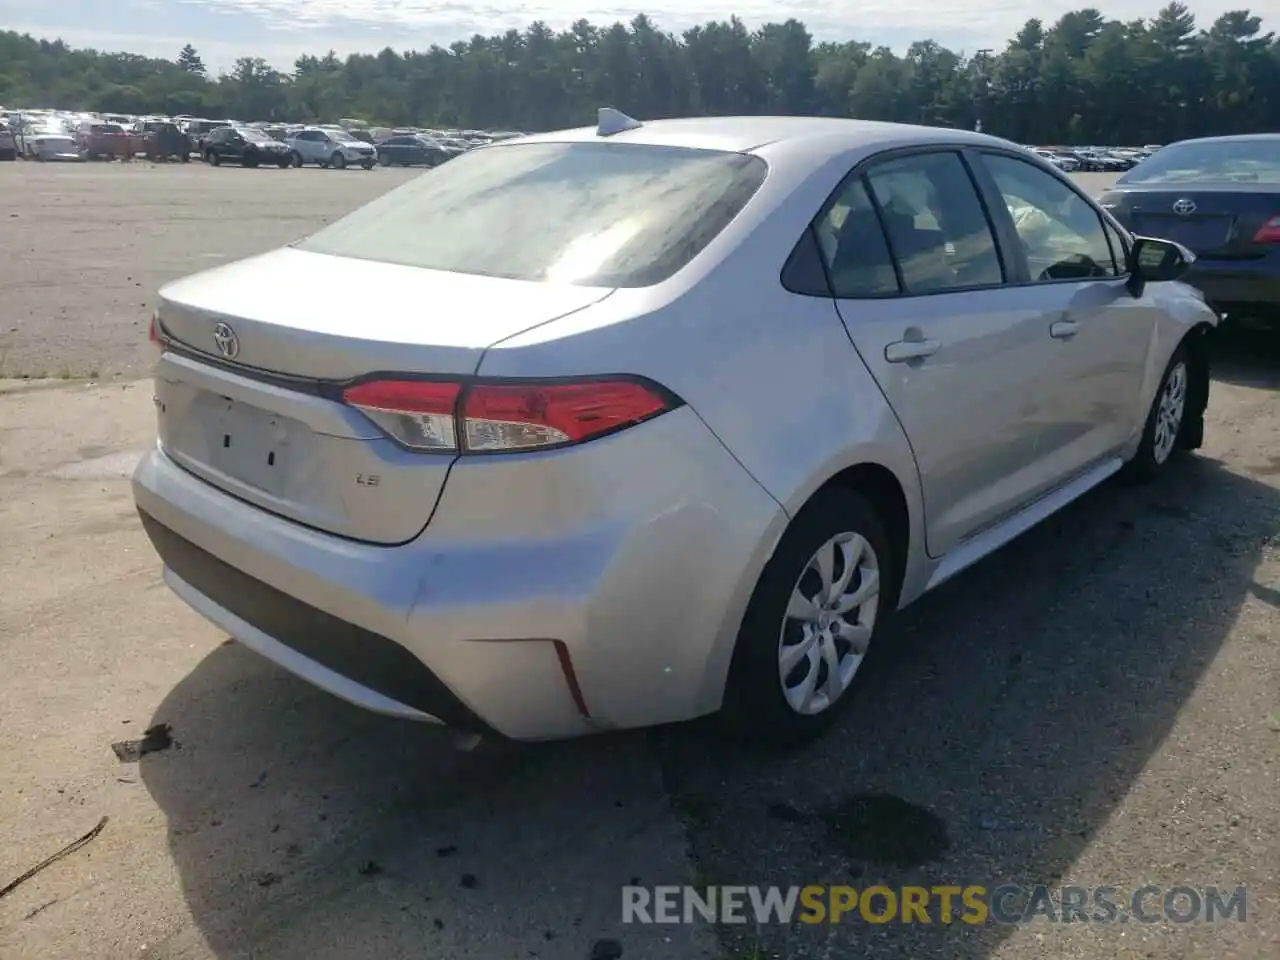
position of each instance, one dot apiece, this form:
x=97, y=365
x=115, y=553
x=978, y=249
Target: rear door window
x=938, y=230
x=584, y=213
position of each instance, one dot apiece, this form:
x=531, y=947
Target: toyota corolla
x=647, y=421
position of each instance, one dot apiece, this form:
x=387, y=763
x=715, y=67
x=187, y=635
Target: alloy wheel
x=1169, y=412
x=828, y=623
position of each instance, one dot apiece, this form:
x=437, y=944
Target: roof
x=1233, y=138
x=744, y=134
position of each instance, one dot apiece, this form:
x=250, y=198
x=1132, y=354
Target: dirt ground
x=1099, y=704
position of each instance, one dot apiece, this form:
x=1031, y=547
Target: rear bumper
x=347, y=660
x=1237, y=283
x=598, y=615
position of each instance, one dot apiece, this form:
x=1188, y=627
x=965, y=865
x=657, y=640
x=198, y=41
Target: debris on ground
x=154, y=739
x=606, y=950
x=69, y=849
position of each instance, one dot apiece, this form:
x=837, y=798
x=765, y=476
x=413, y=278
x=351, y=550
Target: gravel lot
x=1099, y=704
x=90, y=244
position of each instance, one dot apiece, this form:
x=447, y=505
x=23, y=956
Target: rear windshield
x=591, y=214
x=107, y=128
x=1244, y=161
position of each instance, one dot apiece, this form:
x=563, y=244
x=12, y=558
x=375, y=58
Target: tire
x=296, y=157
x=760, y=703
x=184, y=158
x=1164, y=434
x=212, y=158
x=284, y=163
x=385, y=159
x=367, y=165
x=337, y=161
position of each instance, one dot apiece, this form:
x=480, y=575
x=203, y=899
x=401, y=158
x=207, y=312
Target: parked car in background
x=414, y=150
x=100, y=138
x=198, y=130
x=245, y=146
x=163, y=140
x=1220, y=198
x=48, y=146
x=547, y=520
x=455, y=144
x=329, y=147
x=1064, y=163
x=8, y=144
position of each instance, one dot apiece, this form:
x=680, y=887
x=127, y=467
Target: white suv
x=330, y=148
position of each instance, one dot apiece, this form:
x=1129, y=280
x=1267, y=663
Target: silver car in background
x=327, y=147
x=624, y=425
x=52, y=146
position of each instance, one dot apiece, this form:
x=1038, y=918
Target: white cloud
x=995, y=21
x=280, y=30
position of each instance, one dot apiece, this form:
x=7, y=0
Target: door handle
x=1064, y=329
x=904, y=350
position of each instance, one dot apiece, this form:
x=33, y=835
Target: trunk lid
x=261, y=416
x=1214, y=220
x=333, y=318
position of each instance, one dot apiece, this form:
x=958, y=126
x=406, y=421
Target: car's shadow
x=303, y=827
x=996, y=729
x=1005, y=717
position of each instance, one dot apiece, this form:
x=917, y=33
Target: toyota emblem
x=225, y=339
x=1184, y=207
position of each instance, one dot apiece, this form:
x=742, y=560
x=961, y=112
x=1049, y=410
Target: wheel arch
x=890, y=497
x=1196, y=342
x=881, y=487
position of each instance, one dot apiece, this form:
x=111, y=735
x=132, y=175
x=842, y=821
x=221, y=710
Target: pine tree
x=189, y=60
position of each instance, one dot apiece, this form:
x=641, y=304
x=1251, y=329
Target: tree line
x=1083, y=79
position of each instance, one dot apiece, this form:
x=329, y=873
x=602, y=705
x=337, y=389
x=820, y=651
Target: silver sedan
x=53, y=147
x=629, y=424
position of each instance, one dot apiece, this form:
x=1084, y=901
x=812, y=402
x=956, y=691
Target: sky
x=281, y=30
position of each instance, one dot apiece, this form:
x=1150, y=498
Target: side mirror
x=1152, y=260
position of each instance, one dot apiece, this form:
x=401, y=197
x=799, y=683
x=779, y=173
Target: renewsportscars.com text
x=1009, y=904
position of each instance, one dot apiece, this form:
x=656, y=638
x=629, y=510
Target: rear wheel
x=813, y=615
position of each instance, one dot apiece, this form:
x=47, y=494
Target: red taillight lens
x=1269, y=232
x=154, y=335
x=505, y=417
x=418, y=413
x=528, y=416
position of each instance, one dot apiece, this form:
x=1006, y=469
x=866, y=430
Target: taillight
x=419, y=414
x=1269, y=232
x=154, y=335
x=503, y=417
